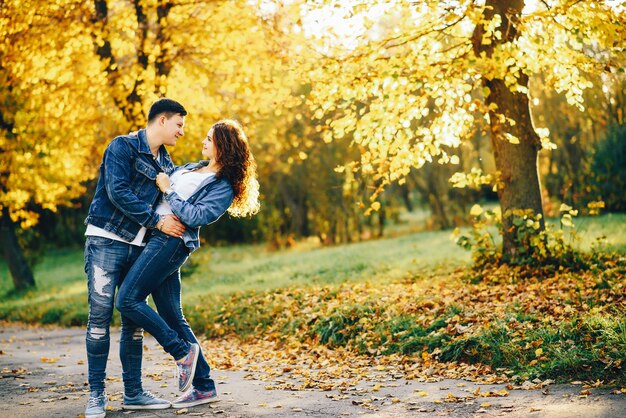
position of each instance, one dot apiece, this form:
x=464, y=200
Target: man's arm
x=117, y=171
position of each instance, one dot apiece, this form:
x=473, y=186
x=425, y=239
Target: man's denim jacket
x=206, y=205
x=126, y=192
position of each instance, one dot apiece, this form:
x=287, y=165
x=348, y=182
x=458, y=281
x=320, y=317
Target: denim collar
x=144, y=148
x=143, y=145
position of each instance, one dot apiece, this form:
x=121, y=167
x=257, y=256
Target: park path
x=44, y=375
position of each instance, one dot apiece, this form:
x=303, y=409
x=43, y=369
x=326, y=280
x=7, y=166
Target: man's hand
x=171, y=225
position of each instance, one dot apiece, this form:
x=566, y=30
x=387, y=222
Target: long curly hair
x=237, y=166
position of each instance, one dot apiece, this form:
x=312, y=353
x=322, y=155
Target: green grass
x=337, y=296
x=224, y=270
x=589, y=347
x=60, y=296
x=61, y=290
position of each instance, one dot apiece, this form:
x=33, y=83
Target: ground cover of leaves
x=509, y=327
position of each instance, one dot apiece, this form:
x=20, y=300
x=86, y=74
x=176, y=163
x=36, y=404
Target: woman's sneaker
x=186, y=367
x=96, y=405
x=195, y=397
x=145, y=400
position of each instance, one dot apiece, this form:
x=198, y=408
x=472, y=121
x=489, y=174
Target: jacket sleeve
x=117, y=172
x=208, y=208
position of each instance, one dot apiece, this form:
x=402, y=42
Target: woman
x=198, y=194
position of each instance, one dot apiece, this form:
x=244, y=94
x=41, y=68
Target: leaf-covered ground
x=505, y=327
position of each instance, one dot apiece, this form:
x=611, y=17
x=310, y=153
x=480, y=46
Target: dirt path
x=44, y=375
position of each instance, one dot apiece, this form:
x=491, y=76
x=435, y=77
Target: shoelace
x=94, y=401
x=149, y=394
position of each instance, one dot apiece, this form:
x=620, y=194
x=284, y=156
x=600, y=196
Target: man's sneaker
x=187, y=368
x=97, y=405
x=145, y=400
x=195, y=397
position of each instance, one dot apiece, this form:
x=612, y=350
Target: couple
x=143, y=223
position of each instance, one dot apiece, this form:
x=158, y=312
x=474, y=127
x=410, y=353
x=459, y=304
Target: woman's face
x=208, y=147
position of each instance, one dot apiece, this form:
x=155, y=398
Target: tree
x=46, y=138
x=423, y=77
x=76, y=74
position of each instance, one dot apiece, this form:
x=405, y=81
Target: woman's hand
x=163, y=182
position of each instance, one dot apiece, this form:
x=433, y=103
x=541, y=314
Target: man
x=120, y=215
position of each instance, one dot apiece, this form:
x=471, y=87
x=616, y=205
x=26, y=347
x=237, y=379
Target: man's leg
x=105, y=259
x=131, y=340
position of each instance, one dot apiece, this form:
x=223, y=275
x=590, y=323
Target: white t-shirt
x=184, y=183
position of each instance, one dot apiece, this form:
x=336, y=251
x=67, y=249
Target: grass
x=60, y=296
x=254, y=268
x=222, y=271
x=401, y=294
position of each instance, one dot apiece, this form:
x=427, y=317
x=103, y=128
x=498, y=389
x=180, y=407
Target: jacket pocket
x=145, y=169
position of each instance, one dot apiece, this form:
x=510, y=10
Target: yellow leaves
x=511, y=138
x=476, y=210
x=49, y=359
x=594, y=207
x=475, y=179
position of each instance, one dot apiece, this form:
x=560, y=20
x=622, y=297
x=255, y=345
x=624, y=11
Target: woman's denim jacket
x=126, y=191
x=206, y=205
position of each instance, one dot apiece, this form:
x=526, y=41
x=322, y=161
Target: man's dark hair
x=168, y=106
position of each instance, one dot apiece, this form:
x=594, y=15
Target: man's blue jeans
x=106, y=263
x=157, y=272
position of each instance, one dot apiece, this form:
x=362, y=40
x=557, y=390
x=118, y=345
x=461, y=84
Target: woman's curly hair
x=237, y=166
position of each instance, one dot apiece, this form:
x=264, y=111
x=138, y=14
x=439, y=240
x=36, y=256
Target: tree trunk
x=20, y=271
x=518, y=177
x=405, y=193
x=434, y=192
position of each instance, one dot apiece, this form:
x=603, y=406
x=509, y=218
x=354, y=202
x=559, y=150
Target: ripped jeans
x=106, y=263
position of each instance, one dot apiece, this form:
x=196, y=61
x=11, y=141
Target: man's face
x=172, y=128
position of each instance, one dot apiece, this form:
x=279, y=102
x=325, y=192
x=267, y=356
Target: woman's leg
x=167, y=299
x=161, y=257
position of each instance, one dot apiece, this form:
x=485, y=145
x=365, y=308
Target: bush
x=542, y=250
x=608, y=169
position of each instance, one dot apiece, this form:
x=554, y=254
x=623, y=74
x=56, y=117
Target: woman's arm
x=208, y=208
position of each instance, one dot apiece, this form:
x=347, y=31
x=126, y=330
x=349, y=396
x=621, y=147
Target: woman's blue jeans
x=157, y=271
x=106, y=263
